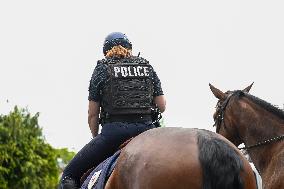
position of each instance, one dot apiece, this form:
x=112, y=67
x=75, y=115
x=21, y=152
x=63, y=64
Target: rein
x=220, y=118
x=268, y=141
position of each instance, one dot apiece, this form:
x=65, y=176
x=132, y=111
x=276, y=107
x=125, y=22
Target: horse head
x=226, y=109
x=244, y=118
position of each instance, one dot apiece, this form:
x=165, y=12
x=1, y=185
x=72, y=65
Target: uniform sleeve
x=97, y=82
x=157, y=84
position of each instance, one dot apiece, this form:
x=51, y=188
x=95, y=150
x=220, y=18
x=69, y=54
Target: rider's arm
x=96, y=84
x=160, y=101
x=93, y=117
x=159, y=98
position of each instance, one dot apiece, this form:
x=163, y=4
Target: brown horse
x=180, y=158
x=243, y=118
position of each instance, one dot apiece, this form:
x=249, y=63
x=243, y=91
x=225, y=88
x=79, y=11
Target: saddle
x=99, y=176
x=96, y=178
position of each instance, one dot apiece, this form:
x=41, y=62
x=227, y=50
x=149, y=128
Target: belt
x=128, y=118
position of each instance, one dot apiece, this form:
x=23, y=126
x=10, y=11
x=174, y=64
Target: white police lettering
x=146, y=71
x=130, y=71
x=116, y=71
x=124, y=71
x=135, y=72
x=138, y=70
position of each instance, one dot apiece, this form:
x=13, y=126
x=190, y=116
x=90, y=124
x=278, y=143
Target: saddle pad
x=99, y=176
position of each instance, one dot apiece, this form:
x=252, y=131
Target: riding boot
x=68, y=183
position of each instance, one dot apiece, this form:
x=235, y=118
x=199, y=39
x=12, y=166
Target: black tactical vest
x=129, y=89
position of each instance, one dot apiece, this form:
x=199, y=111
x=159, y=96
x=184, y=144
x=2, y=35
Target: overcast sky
x=48, y=50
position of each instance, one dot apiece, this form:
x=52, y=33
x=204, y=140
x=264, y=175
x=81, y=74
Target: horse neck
x=255, y=124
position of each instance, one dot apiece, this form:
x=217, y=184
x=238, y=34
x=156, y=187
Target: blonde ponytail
x=119, y=51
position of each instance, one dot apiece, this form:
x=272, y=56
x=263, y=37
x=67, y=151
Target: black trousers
x=102, y=146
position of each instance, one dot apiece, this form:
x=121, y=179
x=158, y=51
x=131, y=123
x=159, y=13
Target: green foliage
x=26, y=160
x=162, y=122
x=64, y=155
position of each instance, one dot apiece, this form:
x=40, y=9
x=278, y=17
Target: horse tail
x=221, y=164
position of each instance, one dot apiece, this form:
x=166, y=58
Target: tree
x=26, y=160
x=63, y=157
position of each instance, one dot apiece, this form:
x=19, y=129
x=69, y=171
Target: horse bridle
x=220, y=110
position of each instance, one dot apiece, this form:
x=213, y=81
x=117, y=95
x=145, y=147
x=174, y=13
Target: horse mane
x=266, y=105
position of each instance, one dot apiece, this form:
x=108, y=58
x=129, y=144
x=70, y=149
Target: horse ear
x=217, y=93
x=247, y=89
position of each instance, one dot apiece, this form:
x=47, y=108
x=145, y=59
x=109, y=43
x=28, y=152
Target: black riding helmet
x=114, y=39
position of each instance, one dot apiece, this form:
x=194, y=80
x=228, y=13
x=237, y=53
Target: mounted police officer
x=123, y=92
